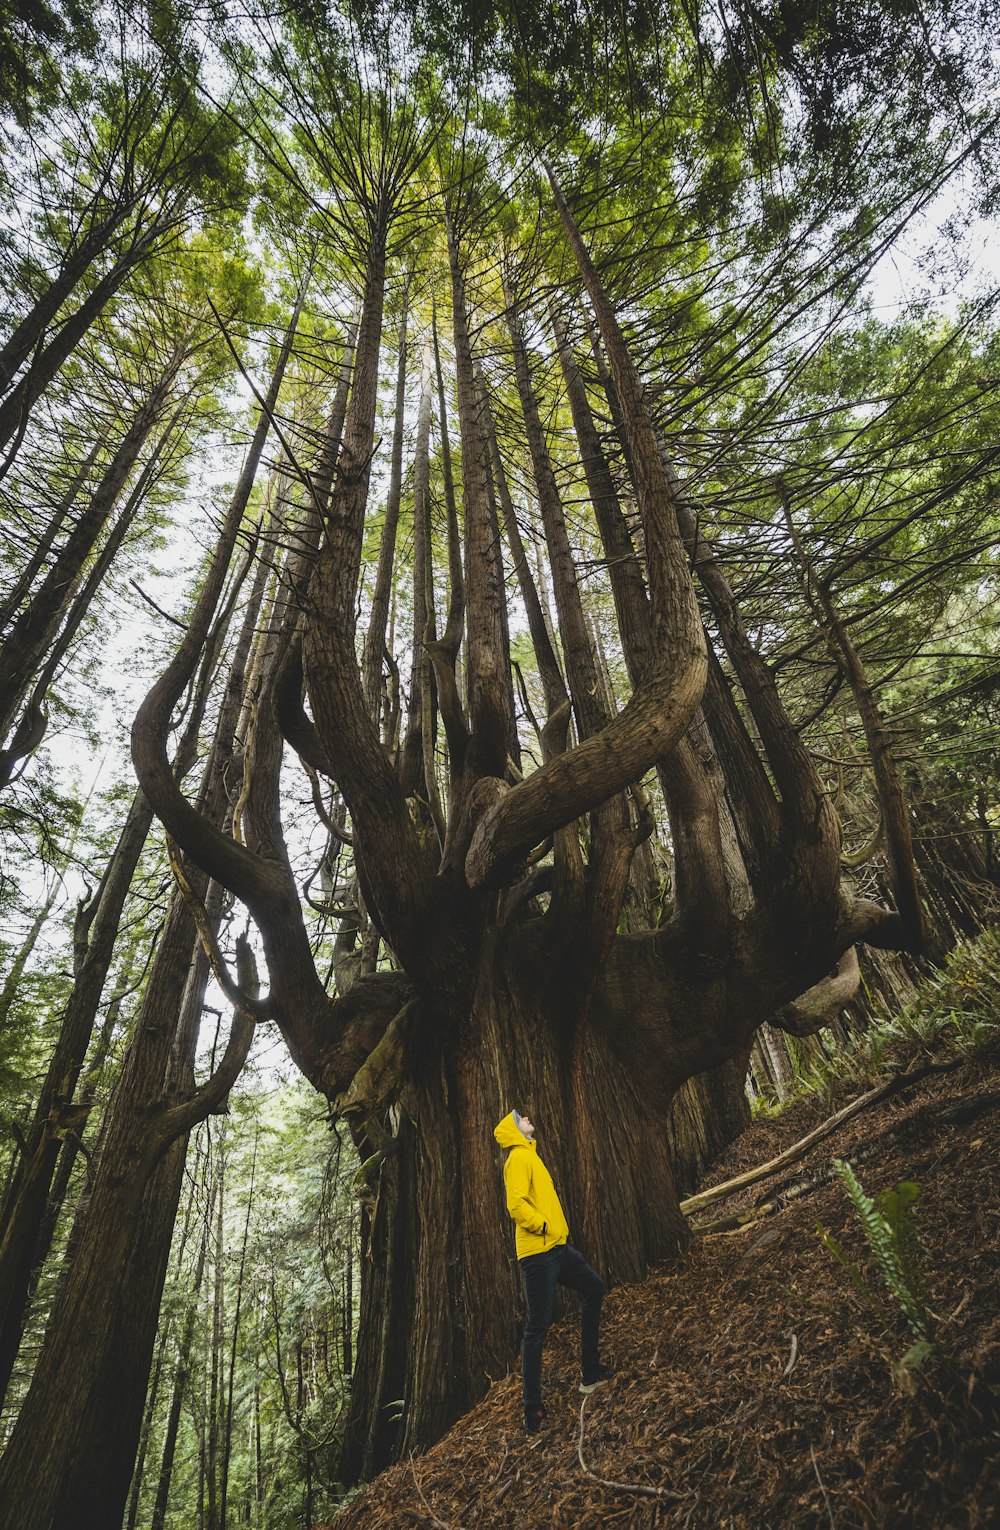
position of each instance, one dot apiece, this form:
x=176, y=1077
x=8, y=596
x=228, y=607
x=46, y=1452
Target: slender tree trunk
x=227, y=1423
x=30, y=329
x=35, y=627
x=47, y=540
x=181, y=1374
x=892, y=798
x=416, y=767
x=216, y=1380
x=16, y=407
x=491, y=701
x=374, y=648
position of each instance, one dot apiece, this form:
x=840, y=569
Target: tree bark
x=374, y=647
x=435, y=1233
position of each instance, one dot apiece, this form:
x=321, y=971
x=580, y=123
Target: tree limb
x=178, y=1119
x=822, y=1003
x=894, y=1085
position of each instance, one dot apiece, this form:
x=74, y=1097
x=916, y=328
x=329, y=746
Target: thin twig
x=621, y=1487
x=826, y=1496
x=438, y=1524
x=506, y=1453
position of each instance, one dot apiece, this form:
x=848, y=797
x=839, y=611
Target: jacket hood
x=510, y=1135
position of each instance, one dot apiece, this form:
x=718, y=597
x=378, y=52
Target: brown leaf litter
x=751, y=1379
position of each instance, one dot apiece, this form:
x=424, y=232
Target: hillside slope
x=753, y=1379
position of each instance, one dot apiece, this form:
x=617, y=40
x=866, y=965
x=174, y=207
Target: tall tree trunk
x=103, y=1326
x=435, y=1233
x=491, y=701
x=72, y=1451
x=28, y=1215
x=46, y=541
x=374, y=647
x=417, y=767
x=227, y=1421
x=35, y=627
x=181, y=1375
x=216, y=1363
x=16, y=407
x=31, y=327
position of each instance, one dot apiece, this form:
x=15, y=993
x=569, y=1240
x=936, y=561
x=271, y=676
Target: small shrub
x=892, y=1235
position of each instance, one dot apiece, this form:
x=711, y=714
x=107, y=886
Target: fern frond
x=894, y=1242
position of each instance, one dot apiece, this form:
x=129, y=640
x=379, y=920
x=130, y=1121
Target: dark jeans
x=562, y=1265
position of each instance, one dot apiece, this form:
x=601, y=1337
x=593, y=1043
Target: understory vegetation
x=953, y=1013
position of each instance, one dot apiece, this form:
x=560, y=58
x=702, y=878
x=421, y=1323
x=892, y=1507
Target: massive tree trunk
x=435, y=1234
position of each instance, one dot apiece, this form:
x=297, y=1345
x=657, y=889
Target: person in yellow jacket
x=547, y=1259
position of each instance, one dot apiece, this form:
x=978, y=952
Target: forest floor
x=752, y=1378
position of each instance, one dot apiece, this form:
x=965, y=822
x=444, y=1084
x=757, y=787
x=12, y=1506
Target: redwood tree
x=520, y=942
x=504, y=976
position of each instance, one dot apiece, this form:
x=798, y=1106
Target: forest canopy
x=499, y=604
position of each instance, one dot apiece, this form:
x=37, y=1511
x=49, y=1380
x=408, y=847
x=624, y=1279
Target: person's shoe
x=533, y=1419
x=592, y=1379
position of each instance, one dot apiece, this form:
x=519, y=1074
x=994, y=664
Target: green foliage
x=894, y=1241
x=892, y=1236
x=37, y=39
x=955, y=1012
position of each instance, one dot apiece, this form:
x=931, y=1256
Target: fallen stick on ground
x=799, y=1149
x=622, y=1487
x=438, y=1524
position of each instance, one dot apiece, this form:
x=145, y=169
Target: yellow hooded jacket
x=531, y=1195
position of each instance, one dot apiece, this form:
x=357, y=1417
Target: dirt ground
x=752, y=1380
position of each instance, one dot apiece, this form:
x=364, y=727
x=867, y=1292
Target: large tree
x=495, y=882
x=547, y=686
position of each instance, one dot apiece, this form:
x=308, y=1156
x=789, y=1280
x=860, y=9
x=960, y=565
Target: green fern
x=854, y=1275
x=895, y=1243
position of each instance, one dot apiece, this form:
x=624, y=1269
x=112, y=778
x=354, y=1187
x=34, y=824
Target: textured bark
x=72, y=1450
x=374, y=647
x=581, y=668
x=490, y=696
x=703, y=871
x=435, y=1243
x=417, y=768
x=25, y=1205
x=549, y=671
